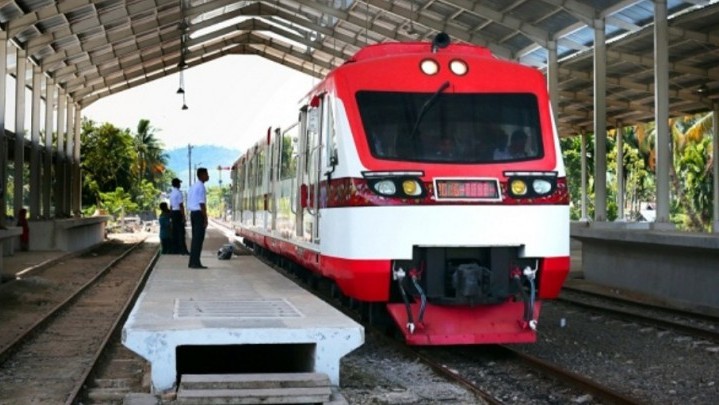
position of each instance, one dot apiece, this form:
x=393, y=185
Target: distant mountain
x=202, y=156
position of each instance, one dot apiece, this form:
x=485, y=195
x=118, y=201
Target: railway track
x=693, y=324
x=51, y=359
x=561, y=379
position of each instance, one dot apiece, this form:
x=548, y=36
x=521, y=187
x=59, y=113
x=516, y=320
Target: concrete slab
x=239, y=301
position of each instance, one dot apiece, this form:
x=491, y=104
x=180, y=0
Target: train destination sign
x=467, y=189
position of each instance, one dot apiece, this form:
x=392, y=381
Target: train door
x=301, y=175
x=263, y=172
x=313, y=141
x=251, y=202
x=274, y=161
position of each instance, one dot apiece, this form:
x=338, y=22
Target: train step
x=263, y=388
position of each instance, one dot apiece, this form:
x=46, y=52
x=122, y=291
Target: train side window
x=261, y=167
x=329, y=130
x=288, y=157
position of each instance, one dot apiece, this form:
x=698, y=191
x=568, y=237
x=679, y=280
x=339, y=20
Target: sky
x=231, y=102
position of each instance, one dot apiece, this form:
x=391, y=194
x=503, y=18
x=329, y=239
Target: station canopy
x=93, y=49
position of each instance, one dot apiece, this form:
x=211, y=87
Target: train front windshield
x=446, y=127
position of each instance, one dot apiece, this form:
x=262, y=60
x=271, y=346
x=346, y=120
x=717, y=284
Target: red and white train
x=424, y=179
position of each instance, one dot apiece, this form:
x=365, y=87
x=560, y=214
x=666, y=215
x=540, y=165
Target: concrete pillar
x=60, y=155
x=35, y=168
x=3, y=138
x=715, y=166
x=620, y=172
x=661, y=110
x=19, y=129
x=600, y=122
x=585, y=198
x=47, y=156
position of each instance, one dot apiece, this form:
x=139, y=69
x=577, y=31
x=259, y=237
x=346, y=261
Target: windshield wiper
x=427, y=105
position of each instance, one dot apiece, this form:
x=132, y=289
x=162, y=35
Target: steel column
x=3, y=138
x=35, y=168
x=661, y=106
x=715, y=166
x=600, y=122
x=20, y=80
x=69, y=159
x=77, y=182
x=47, y=161
x=585, y=198
x=553, y=79
x=60, y=155
x=620, y=172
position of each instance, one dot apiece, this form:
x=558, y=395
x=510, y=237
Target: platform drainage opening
x=249, y=358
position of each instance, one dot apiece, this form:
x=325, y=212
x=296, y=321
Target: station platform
x=241, y=307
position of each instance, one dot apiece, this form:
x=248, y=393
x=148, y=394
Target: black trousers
x=198, y=237
x=177, y=245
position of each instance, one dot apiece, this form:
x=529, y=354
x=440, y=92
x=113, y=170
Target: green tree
x=151, y=159
x=108, y=156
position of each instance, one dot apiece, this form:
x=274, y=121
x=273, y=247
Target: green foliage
x=218, y=200
x=691, y=190
x=107, y=159
x=118, y=202
x=122, y=171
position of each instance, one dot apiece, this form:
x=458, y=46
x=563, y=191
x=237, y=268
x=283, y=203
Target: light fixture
x=181, y=89
x=703, y=89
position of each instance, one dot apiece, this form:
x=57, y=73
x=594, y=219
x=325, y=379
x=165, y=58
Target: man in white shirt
x=177, y=215
x=197, y=204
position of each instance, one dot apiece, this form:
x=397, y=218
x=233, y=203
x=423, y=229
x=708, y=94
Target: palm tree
x=151, y=159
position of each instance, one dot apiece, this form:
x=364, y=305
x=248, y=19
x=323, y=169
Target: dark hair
x=201, y=170
x=164, y=207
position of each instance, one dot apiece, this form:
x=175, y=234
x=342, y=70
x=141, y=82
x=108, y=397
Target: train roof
x=397, y=48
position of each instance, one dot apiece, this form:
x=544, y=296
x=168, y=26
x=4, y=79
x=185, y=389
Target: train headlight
x=458, y=67
x=541, y=186
x=429, y=67
x=411, y=188
x=385, y=187
x=518, y=187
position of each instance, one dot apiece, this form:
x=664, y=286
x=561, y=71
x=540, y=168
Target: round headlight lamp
x=541, y=186
x=458, y=67
x=385, y=187
x=429, y=67
x=518, y=187
x=411, y=188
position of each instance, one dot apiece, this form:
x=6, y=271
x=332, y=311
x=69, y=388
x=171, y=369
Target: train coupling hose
x=399, y=274
x=531, y=275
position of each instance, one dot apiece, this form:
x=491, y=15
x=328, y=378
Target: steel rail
x=648, y=319
x=12, y=346
x=73, y=397
x=576, y=380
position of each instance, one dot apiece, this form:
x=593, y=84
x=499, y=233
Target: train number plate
x=467, y=189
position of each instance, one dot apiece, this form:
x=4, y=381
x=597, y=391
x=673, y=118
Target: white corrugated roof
x=96, y=48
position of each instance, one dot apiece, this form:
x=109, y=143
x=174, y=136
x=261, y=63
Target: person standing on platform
x=197, y=204
x=177, y=208
x=165, y=228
